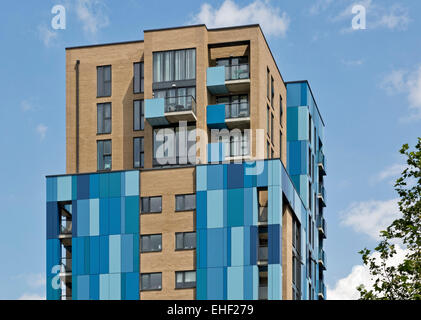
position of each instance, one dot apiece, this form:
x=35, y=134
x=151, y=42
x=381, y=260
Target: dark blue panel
x=274, y=242
x=215, y=177
x=52, y=220
x=115, y=215
x=83, y=187
x=94, y=287
x=103, y=254
x=104, y=217
x=201, y=210
x=94, y=186
x=235, y=176
x=132, y=286
x=94, y=255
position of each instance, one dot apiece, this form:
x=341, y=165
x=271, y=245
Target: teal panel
x=64, y=188
x=237, y=246
x=235, y=207
x=115, y=184
x=94, y=217
x=132, y=183
x=235, y=283
x=215, y=209
x=104, y=185
x=115, y=254
x=132, y=214
x=94, y=186
x=201, y=284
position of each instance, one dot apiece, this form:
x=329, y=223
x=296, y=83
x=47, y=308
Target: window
x=138, y=153
x=138, y=115
x=268, y=83
x=152, y=204
x=238, y=145
x=272, y=90
x=280, y=144
x=174, y=65
x=268, y=149
x=104, y=154
x=152, y=243
x=178, y=99
x=235, y=67
x=236, y=106
x=185, y=279
x=185, y=202
x=151, y=281
x=268, y=120
x=185, y=240
x=103, y=118
x=104, y=81
x=271, y=127
x=138, y=78
x=281, y=110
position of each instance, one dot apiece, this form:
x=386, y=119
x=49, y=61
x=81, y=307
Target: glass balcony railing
x=237, y=110
x=321, y=159
x=263, y=254
x=180, y=104
x=322, y=258
x=263, y=214
x=263, y=293
x=321, y=225
x=237, y=72
x=322, y=192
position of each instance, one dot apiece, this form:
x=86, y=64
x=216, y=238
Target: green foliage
x=403, y=281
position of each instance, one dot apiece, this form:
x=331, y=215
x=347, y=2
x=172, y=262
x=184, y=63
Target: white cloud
x=92, y=14
x=47, y=35
x=31, y=296
x=26, y=105
x=346, y=288
x=270, y=18
x=408, y=82
x=392, y=172
x=370, y=217
x=42, y=131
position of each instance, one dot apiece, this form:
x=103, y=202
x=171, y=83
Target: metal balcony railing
x=237, y=72
x=322, y=193
x=180, y=104
x=237, y=110
x=66, y=227
x=66, y=264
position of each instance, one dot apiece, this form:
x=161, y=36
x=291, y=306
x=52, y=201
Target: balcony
x=263, y=216
x=322, y=195
x=262, y=255
x=162, y=111
x=322, y=290
x=322, y=226
x=263, y=292
x=321, y=162
x=322, y=259
x=226, y=79
x=229, y=115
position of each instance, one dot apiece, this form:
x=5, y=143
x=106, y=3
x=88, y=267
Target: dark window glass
x=152, y=205
x=151, y=281
x=185, y=202
x=185, y=279
x=104, y=81
x=103, y=118
x=185, y=240
x=104, y=154
x=138, y=78
x=138, y=153
x=152, y=243
x=138, y=115
x=273, y=91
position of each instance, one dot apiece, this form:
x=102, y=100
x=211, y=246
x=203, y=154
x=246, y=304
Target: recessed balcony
x=321, y=162
x=322, y=226
x=162, y=111
x=322, y=290
x=322, y=259
x=321, y=195
x=228, y=79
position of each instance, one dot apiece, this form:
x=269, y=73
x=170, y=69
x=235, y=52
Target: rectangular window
x=268, y=83
x=104, y=81
x=281, y=110
x=185, y=240
x=103, y=118
x=268, y=120
x=185, y=279
x=104, y=155
x=151, y=281
x=138, y=77
x=138, y=115
x=238, y=145
x=185, y=202
x=268, y=149
x=271, y=127
x=272, y=90
x=152, y=204
x=151, y=243
x=280, y=144
x=235, y=67
x=174, y=65
x=138, y=153
x=236, y=106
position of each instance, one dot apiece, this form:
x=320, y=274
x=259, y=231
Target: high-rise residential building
x=193, y=171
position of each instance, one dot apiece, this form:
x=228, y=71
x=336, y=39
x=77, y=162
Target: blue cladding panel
x=215, y=116
x=127, y=253
x=115, y=216
x=201, y=178
x=52, y=220
x=94, y=287
x=104, y=185
x=235, y=207
x=237, y=246
x=94, y=217
x=235, y=283
x=132, y=214
x=132, y=286
x=216, y=152
x=155, y=111
x=104, y=254
x=201, y=209
x=104, y=216
x=115, y=254
x=51, y=189
x=115, y=184
x=64, y=188
x=83, y=218
x=215, y=177
x=83, y=188
x=235, y=176
x=132, y=183
x=94, y=252
x=215, y=209
x=201, y=281
x=94, y=186
x=83, y=287
x=215, y=241
x=215, y=287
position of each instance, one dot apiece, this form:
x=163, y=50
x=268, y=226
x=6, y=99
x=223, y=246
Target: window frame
x=141, y=152
x=184, y=241
x=103, y=104
x=184, y=285
x=149, y=205
x=98, y=95
x=141, y=77
x=104, y=155
x=150, y=250
x=184, y=200
x=150, y=274
x=141, y=116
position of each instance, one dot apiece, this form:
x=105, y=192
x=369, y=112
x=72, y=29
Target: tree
x=402, y=281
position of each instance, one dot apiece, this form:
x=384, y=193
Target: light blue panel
x=274, y=282
x=303, y=117
x=132, y=183
x=235, y=283
x=275, y=205
x=115, y=286
x=237, y=246
x=255, y=207
x=255, y=282
x=248, y=206
x=94, y=217
x=104, y=287
x=216, y=152
x=155, y=111
x=83, y=218
x=83, y=287
x=275, y=173
x=201, y=178
x=215, y=80
x=215, y=209
x=64, y=188
x=115, y=254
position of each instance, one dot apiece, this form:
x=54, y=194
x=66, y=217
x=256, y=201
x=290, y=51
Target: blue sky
x=367, y=84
